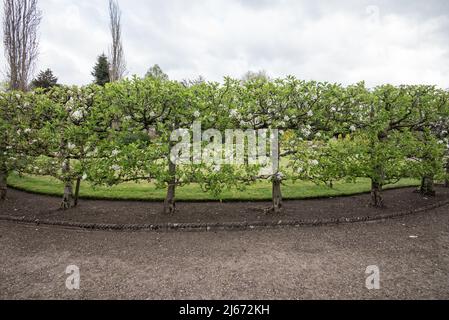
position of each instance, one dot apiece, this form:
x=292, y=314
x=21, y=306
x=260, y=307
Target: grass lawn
x=148, y=192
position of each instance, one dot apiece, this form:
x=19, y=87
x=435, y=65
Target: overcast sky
x=399, y=42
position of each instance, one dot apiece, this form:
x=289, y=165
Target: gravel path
x=290, y=263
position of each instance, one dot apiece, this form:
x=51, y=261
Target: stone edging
x=218, y=226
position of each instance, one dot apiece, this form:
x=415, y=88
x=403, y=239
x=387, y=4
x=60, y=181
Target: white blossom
x=314, y=162
x=353, y=128
x=115, y=152
x=71, y=146
x=77, y=115
x=306, y=132
x=116, y=167
x=196, y=114
x=310, y=113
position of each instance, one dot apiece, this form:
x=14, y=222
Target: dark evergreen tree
x=45, y=80
x=101, y=70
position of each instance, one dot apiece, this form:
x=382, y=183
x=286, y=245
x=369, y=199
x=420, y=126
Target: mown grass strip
x=144, y=191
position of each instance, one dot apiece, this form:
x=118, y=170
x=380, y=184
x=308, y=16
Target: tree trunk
x=67, y=199
x=77, y=192
x=376, y=194
x=277, y=177
x=428, y=186
x=277, y=195
x=169, y=204
x=3, y=184
x=446, y=181
x=378, y=177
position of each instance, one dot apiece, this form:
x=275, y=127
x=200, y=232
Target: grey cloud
x=338, y=41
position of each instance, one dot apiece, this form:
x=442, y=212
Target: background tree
x=259, y=75
x=21, y=20
x=116, y=56
x=156, y=72
x=101, y=71
x=192, y=82
x=45, y=80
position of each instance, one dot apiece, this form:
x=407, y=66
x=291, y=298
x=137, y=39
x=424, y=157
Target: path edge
x=220, y=225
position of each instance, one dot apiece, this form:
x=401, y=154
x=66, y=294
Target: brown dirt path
x=293, y=263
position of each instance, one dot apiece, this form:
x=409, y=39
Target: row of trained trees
x=121, y=132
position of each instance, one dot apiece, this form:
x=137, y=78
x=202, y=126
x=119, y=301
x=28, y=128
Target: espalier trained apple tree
x=70, y=139
x=387, y=116
x=258, y=104
x=428, y=146
x=175, y=134
x=316, y=148
x=219, y=159
x=440, y=128
x=22, y=115
x=139, y=148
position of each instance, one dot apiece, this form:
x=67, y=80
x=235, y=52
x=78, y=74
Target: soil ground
x=40, y=207
x=290, y=263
